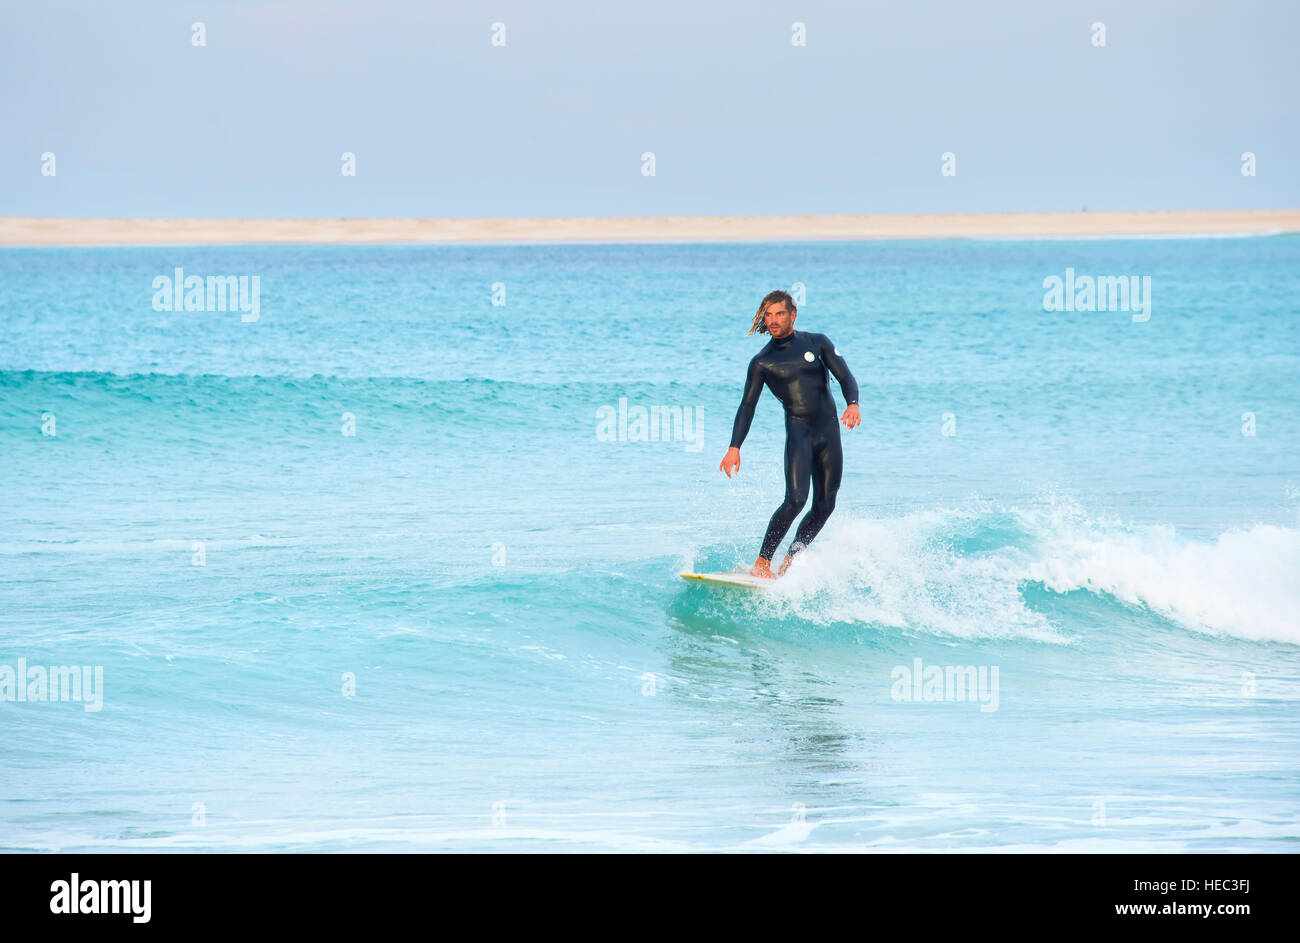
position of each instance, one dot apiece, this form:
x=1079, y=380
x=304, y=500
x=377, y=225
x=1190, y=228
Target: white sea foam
x=962, y=572
x=903, y=572
x=1244, y=583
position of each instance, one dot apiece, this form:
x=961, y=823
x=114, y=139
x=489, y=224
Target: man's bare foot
x=762, y=567
x=785, y=565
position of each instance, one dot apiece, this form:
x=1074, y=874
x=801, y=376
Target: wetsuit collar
x=782, y=341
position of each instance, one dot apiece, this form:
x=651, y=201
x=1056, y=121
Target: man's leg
x=798, y=471
x=828, y=466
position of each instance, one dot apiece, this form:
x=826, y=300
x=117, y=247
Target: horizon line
x=86, y=232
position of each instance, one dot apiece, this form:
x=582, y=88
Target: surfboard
x=737, y=578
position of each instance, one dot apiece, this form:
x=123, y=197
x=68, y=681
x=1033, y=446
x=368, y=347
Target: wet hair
x=760, y=326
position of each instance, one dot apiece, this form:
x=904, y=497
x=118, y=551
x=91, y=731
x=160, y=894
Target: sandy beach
x=38, y=231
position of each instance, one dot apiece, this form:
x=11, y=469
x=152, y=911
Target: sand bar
x=53, y=231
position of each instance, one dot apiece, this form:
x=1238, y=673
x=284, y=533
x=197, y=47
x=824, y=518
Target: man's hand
x=730, y=461
x=851, y=416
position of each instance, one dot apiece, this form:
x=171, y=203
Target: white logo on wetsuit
x=809, y=356
x=837, y=351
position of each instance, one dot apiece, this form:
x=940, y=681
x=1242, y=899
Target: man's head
x=775, y=315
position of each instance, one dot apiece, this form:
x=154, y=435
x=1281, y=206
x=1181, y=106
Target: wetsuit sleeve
x=835, y=363
x=745, y=414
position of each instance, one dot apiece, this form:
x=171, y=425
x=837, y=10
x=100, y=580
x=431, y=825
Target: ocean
x=389, y=561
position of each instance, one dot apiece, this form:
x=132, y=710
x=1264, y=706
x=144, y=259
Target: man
x=793, y=365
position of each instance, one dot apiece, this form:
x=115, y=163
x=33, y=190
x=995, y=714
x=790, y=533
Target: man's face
x=779, y=319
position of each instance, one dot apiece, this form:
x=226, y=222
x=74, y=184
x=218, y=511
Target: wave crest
x=963, y=572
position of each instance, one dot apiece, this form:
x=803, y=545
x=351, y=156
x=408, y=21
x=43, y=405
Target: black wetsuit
x=794, y=368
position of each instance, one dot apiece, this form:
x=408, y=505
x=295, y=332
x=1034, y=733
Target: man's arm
x=839, y=369
x=745, y=414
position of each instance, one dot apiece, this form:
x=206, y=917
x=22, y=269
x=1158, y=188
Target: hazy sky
x=554, y=123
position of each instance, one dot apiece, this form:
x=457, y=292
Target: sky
x=555, y=122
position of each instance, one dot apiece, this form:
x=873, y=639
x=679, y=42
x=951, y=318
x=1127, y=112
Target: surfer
x=793, y=366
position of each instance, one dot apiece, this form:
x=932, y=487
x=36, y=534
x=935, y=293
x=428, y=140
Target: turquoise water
x=461, y=627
